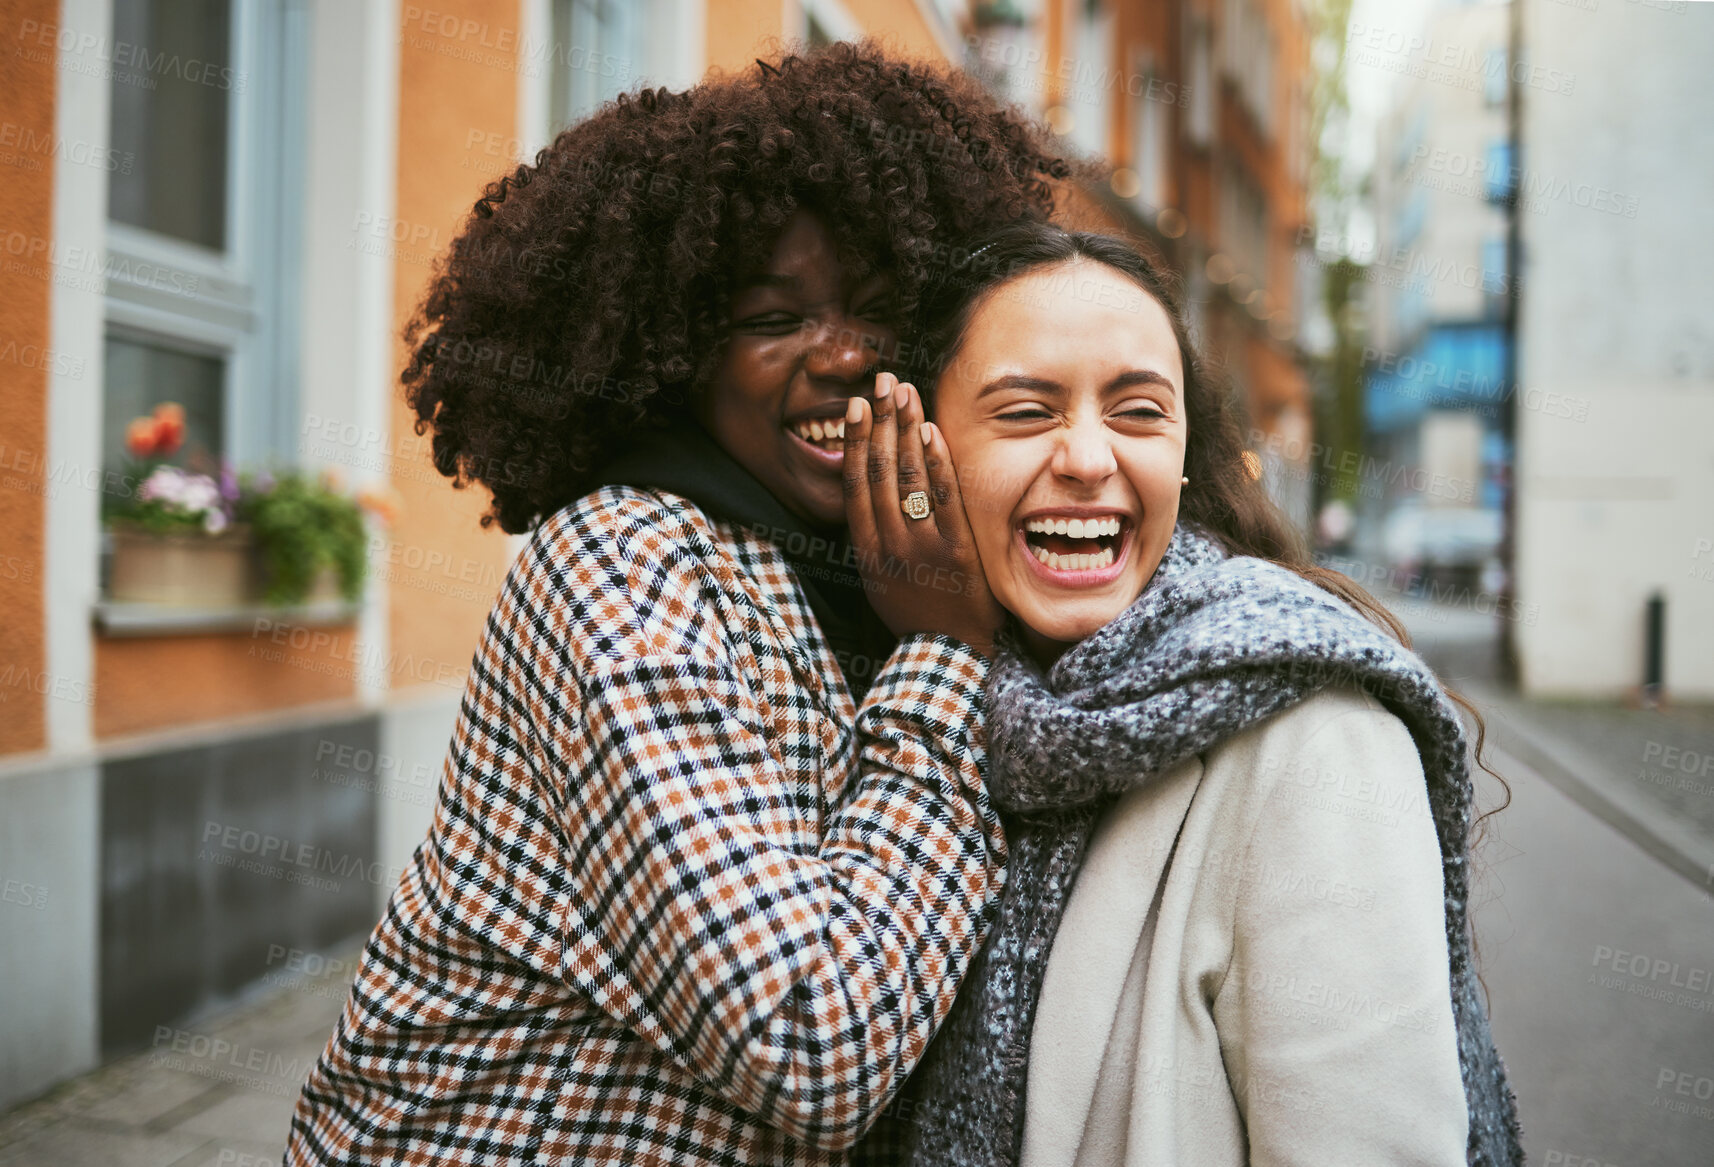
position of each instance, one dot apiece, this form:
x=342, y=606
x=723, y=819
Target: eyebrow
x=1124, y=380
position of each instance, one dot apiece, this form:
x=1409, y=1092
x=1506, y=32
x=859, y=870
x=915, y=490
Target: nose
x=843, y=350
x=1084, y=454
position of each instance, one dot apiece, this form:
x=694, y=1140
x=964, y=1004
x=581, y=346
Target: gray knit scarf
x=1213, y=645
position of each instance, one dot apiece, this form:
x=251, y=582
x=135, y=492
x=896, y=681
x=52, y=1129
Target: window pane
x=140, y=376
x=170, y=112
x=1495, y=77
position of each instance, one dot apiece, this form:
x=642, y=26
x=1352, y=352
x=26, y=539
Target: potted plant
x=310, y=536
x=175, y=539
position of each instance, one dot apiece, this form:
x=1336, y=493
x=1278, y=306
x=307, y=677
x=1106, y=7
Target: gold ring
x=915, y=504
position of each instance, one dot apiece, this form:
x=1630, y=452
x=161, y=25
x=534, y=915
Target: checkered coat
x=683, y=902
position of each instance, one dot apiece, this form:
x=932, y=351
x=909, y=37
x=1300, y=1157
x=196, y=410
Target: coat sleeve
x=799, y=979
x=1335, y=1014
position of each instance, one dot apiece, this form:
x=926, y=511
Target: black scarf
x=685, y=460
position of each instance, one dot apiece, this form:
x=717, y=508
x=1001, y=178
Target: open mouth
x=1066, y=544
x=825, y=434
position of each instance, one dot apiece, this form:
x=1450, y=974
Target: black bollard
x=1654, y=649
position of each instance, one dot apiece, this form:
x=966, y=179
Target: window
x=176, y=128
x=142, y=370
x=203, y=234
x=1149, y=150
x=1494, y=77
x=596, y=45
x=1407, y=226
x=826, y=21
x=1199, y=125
x=1494, y=282
x=1247, y=58
x=1501, y=180
x=1243, y=223
x=1088, y=96
x=1404, y=151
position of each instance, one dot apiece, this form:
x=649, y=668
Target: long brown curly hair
x=587, y=294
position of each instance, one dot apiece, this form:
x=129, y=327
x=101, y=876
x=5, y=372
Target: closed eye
x=1144, y=412
x=770, y=323
x=1023, y=415
x=880, y=310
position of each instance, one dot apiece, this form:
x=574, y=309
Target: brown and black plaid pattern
x=683, y=902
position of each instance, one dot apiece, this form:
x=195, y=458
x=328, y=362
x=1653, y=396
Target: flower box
x=217, y=539
x=184, y=569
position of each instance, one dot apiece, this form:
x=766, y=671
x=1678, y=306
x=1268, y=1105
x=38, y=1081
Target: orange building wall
x=26, y=209
x=442, y=570
x=739, y=31
x=147, y=683
x=900, y=26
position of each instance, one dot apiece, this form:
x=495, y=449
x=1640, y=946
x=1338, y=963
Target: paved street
x=1598, y=960
x=1597, y=954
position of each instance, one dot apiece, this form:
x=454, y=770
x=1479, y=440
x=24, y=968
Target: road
x=1598, y=963
x=1599, y=960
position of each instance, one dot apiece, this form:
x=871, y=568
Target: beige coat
x=1288, y=1000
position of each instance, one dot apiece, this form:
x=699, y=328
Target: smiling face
x=1064, y=412
x=805, y=339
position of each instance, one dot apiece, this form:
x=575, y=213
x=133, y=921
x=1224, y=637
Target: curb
x=1685, y=851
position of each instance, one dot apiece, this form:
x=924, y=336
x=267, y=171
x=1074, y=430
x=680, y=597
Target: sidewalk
x=1648, y=773
x=218, y=1090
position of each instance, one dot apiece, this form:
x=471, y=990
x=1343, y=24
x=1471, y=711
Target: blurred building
x=1201, y=108
x=235, y=206
x=1615, y=407
x=1438, y=380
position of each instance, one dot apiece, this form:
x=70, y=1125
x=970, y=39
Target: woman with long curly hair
x=711, y=852
x=1235, y=923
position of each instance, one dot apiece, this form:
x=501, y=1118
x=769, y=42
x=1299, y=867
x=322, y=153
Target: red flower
x=140, y=437
x=169, y=428
x=159, y=435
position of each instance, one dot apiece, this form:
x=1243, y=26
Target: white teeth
x=1075, y=528
x=818, y=431
x=1056, y=562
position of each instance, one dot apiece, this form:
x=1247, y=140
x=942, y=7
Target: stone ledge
x=115, y=618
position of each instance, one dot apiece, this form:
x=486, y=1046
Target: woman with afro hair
x=711, y=852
